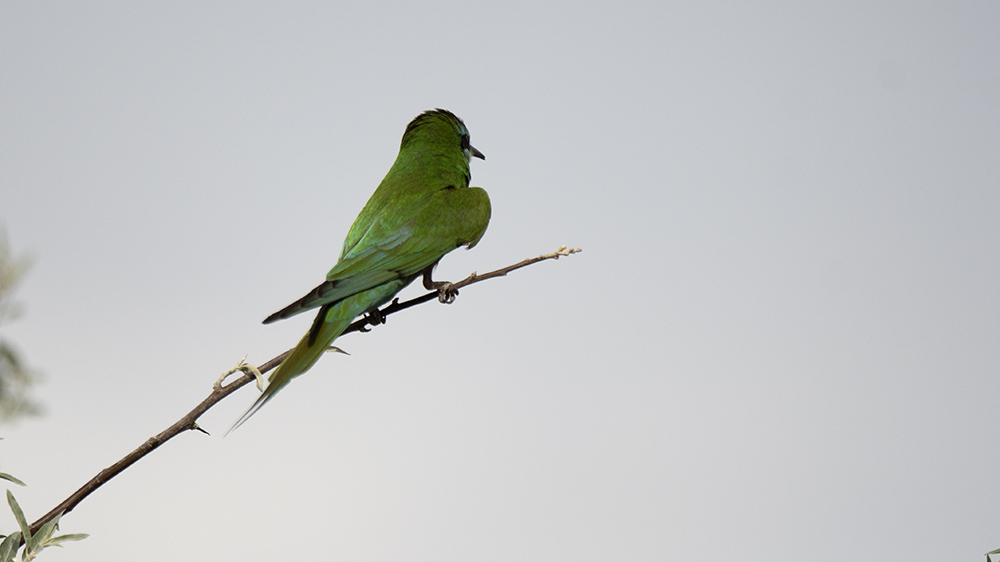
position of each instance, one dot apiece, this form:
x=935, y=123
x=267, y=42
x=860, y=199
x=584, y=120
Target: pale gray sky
x=781, y=342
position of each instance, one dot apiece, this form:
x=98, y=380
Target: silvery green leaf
x=19, y=515
x=10, y=478
x=55, y=541
x=8, y=548
x=39, y=540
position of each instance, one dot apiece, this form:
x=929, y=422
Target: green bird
x=423, y=209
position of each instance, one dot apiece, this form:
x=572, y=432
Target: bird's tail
x=300, y=360
x=332, y=320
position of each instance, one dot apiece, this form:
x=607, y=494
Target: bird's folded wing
x=333, y=291
x=368, y=265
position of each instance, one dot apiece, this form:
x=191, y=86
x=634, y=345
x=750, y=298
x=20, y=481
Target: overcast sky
x=781, y=341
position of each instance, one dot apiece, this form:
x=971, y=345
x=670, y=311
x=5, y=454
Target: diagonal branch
x=189, y=421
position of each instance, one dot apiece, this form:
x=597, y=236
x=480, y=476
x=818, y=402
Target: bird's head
x=439, y=130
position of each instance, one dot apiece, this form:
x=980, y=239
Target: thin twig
x=189, y=421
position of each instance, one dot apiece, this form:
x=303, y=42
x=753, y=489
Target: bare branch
x=189, y=421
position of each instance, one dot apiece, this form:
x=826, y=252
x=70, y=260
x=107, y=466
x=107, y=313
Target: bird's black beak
x=476, y=153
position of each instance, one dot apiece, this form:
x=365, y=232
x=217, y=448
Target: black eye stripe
x=465, y=142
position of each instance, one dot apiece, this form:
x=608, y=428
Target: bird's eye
x=465, y=142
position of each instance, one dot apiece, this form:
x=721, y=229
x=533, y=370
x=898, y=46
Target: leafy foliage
x=15, y=376
x=33, y=543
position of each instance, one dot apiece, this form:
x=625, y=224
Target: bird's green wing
x=410, y=243
x=401, y=249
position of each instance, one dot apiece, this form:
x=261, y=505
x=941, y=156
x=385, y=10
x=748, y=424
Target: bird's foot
x=374, y=318
x=446, y=291
x=244, y=367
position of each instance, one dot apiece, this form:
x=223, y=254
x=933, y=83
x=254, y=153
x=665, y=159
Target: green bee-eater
x=423, y=209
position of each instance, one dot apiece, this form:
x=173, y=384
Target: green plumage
x=423, y=209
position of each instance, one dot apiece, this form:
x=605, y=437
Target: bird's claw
x=446, y=292
x=446, y=289
x=244, y=367
x=375, y=317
